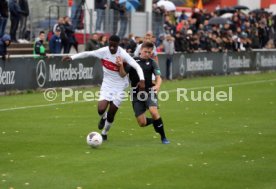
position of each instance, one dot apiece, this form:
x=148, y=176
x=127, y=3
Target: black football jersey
x=149, y=67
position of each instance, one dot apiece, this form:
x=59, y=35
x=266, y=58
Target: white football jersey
x=111, y=77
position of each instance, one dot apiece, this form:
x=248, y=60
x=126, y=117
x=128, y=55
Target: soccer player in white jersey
x=113, y=85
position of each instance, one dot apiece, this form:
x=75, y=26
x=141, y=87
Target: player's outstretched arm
x=135, y=65
x=96, y=53
x=66, y=59
x=84, y=54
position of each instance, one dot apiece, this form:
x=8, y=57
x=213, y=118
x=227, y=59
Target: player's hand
x=141, y=85
x=156, y=88
x=66, y=59
x=119, y=61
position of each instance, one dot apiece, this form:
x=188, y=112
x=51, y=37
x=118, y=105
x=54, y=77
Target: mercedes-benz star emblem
x=41, y=73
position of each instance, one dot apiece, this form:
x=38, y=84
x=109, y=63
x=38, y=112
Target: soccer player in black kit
x=143, y=100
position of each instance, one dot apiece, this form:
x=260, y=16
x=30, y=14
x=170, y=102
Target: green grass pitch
x=214, y=145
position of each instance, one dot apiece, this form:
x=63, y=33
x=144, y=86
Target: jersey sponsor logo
x=110, y=65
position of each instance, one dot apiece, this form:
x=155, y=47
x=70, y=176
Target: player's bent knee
x=101, y=111
x=155, y=115
x=142, y=122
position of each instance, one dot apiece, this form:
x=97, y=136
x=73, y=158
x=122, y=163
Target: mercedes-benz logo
x=41, y=73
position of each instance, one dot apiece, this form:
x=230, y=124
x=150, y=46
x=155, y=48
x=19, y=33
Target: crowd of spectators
x=192, y=32
x=242, y=31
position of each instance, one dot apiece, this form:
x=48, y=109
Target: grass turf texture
x=213, y=144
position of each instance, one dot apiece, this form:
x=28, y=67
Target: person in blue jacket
x=5, y=41
x=55, y=44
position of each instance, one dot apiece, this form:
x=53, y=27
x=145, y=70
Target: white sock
x=107, y=126
x=104, y=115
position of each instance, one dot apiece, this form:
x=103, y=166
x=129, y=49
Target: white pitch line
x=41, y=105
x=227, y=85
x=174, y=90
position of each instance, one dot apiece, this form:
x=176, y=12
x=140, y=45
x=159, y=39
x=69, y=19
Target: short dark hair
x=114, y=38
x=41, y=32
x=147, y=45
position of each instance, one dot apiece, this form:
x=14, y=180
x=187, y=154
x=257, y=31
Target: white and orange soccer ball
x=94, y=139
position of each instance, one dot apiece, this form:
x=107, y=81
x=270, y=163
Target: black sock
x=149, y=121
x=159, y=127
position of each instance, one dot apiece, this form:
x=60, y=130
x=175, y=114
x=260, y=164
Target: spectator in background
x=5, y=41
x=255, y=37
x=63, y=36
x=147, y=38
x=15, y=15
x=123, y=21
x=92, y=43
x=158, y=19
x=100, y=6
x=187, y=41
x=24, y=6
x=103, y=42
x=183, y=16
x=160, y=48
x=138, y=40
x=55, y=44
x=4, y=14
x=154, y=40
x=124, y=43
x=178, y=43
x=181, y=26
x=214, y=42
x=132, y=44
x=70, y=33
x=115, y=6
x=169, y=27
x=169, y=49
x=75, y=12
x=263, y=33
x=39, y=48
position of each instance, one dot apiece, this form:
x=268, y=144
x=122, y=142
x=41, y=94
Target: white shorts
x=116, y=96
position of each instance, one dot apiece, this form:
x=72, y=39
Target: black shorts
x=141, y=105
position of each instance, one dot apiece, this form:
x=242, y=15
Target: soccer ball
x=94, y=139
